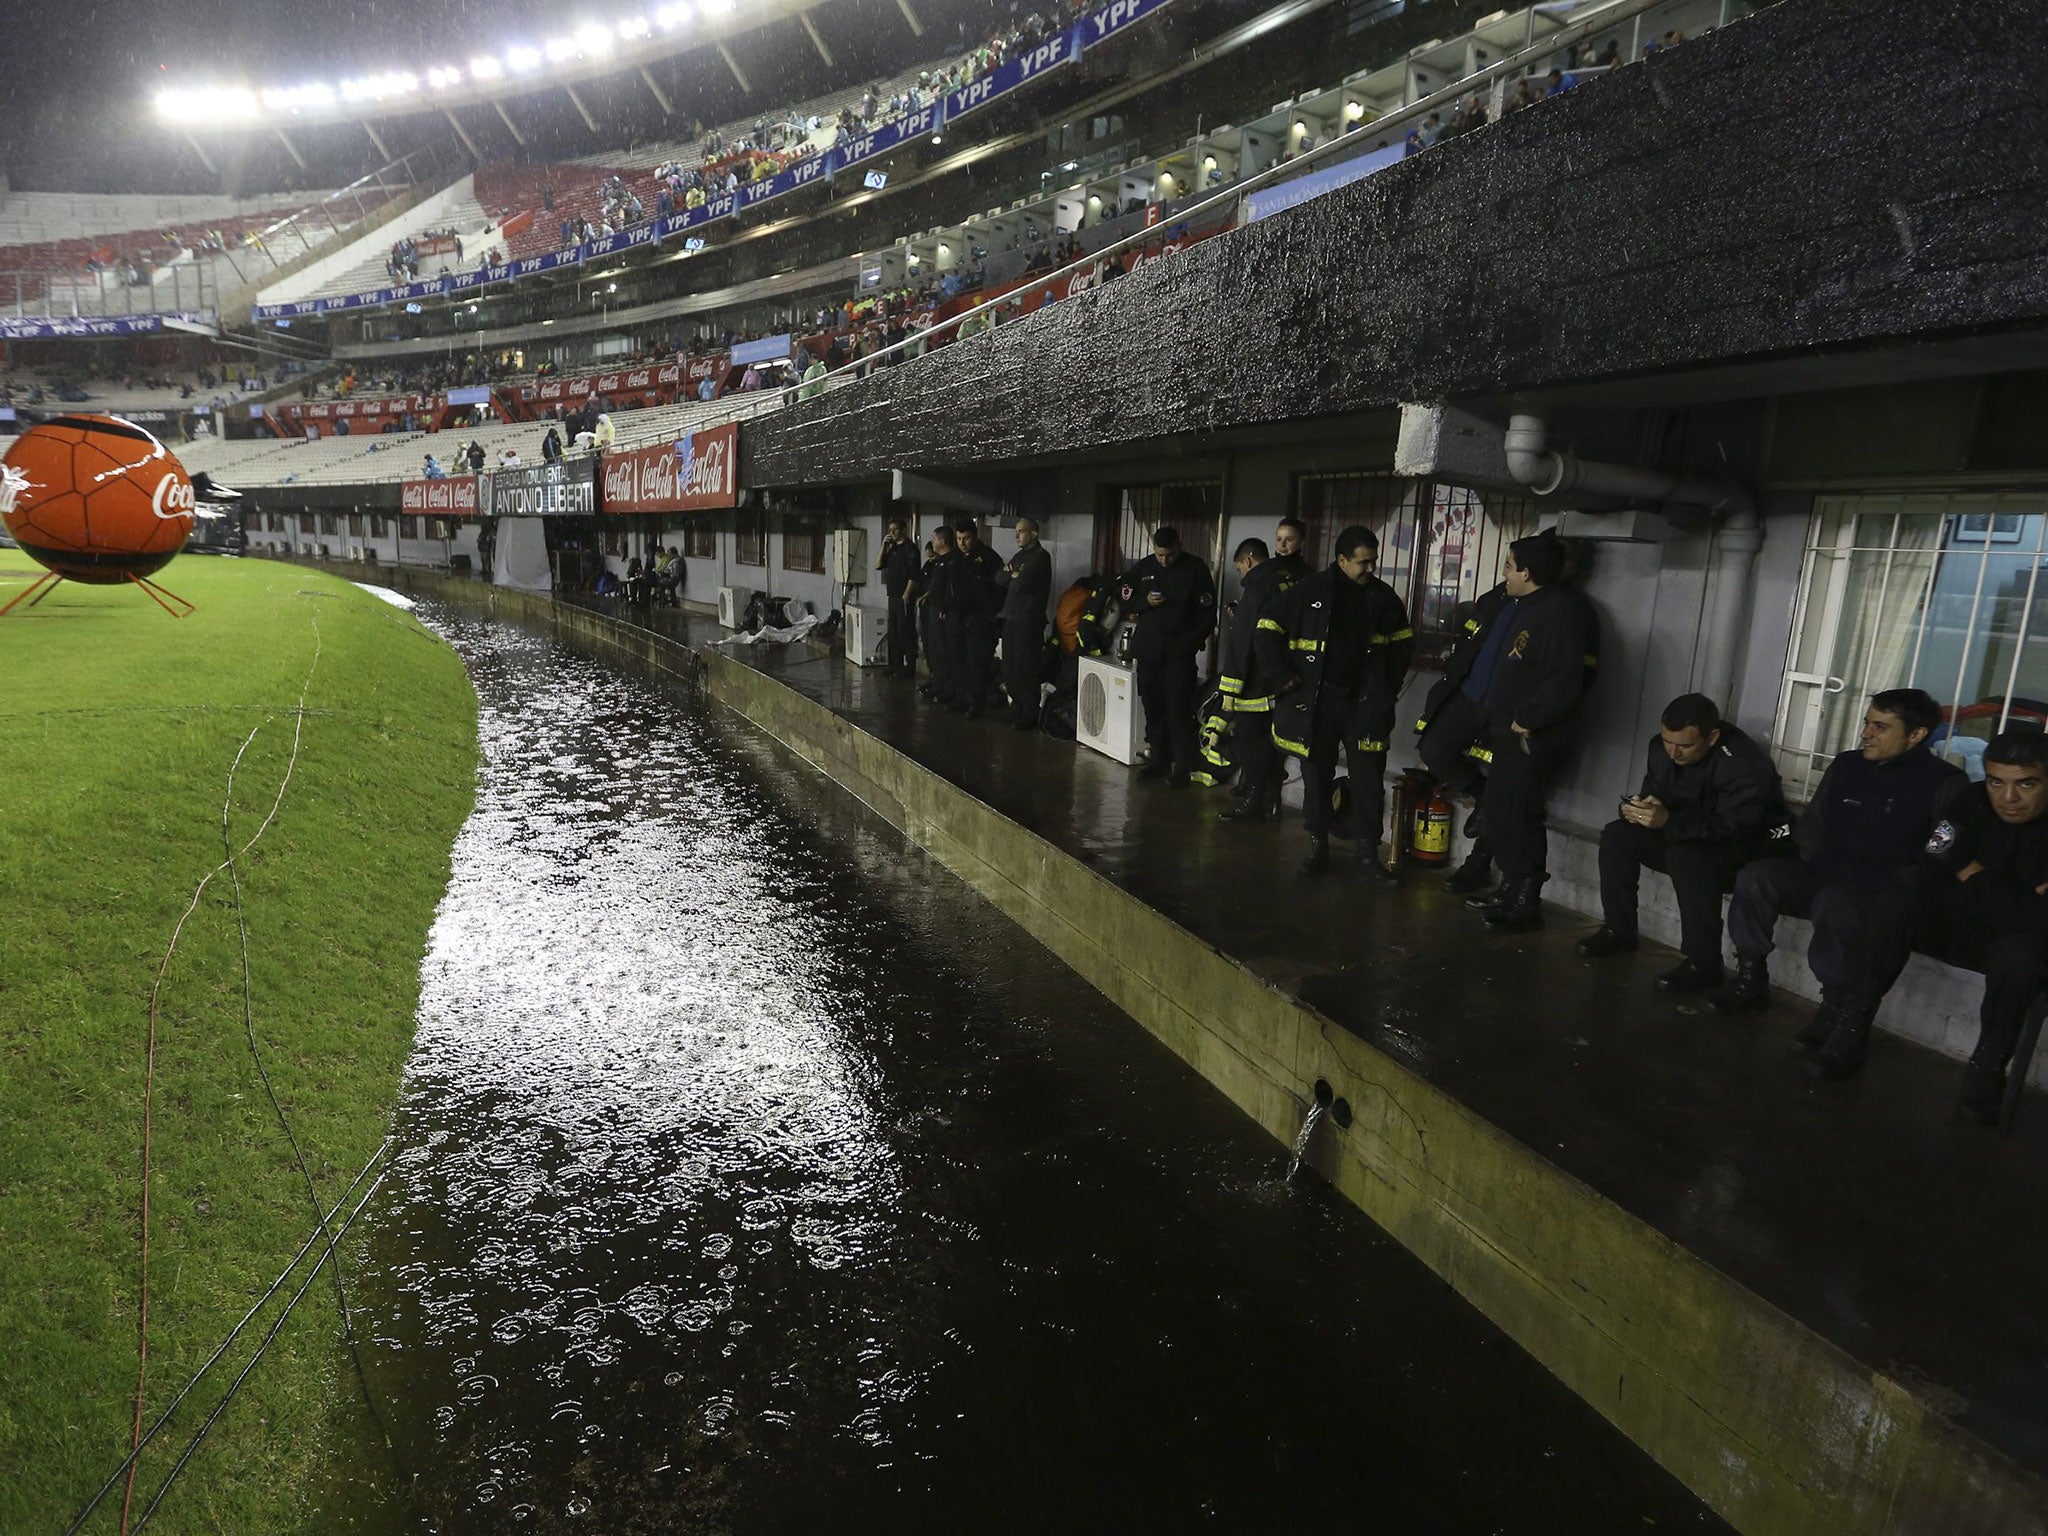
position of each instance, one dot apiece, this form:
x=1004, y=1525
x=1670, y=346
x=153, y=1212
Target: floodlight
x=632, y=27
x=296, y=98
x=559, y=49
x=592, y=38
x=716, y=7
x=440, y=79
x=484, y=67
x=669, y=17
x=522, y=58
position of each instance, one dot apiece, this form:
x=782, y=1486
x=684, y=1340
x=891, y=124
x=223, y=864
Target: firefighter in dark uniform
x=899, y=567
x=1027, y=586
x=1538, y=656
x=1248, y=688
x=1979, y=899
x=1290, y=564
x=1341, y=642
x=974, y=600
x=1173, y=605
x=930, y=593
x=1456, y=746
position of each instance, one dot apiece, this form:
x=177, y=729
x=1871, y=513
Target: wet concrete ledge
x=1701, y=1360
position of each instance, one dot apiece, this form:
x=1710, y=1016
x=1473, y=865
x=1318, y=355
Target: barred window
x=1441, y=546
x=700, y=539
x=749, y=538
x=803, y=544
x=408, y=527
x=1940, y=591
x=1131, y=514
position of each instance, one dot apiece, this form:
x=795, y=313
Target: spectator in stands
x=508, y=457
x=1710, y=803
x=1864, y=826
x=433, y=469
x=475, y=453
x=547, y=196
x=551, y=447
x=1978, y=898
x=814, y=380
x=1558, y=82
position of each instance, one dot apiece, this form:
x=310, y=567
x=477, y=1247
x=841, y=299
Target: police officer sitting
x=1978, y=899
x=1340, y=643
x=1710, y=803
x=1174, y=606
x=1247, y=687
x=1865, y=824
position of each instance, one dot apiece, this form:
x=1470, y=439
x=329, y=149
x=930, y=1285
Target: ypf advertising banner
x=696, y=474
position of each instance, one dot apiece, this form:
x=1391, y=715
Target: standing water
x=757, y=1177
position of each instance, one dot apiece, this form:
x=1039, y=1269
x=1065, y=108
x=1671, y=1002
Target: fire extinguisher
x=1432, y=840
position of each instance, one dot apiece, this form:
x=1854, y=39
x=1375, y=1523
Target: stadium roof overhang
x=517, y=68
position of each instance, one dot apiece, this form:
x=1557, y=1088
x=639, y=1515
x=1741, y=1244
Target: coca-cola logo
x=173, y=498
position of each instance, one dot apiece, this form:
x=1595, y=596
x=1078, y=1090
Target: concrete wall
x=1778, y=1430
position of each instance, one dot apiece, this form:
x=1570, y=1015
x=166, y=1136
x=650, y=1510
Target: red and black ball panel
x=95, y=498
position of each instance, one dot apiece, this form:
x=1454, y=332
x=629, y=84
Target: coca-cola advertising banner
x=342, y=410
x=697, y=474
x=439, y=498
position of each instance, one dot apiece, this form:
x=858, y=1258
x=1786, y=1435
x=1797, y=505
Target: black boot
x=1318, y=858
x=1519, y=907
x=1691, y=975
x=1604, y=941
x=1155, y=768
x=1748, y=992
x=1251, y=808
x=1814, y=1034
x=1475, y=874
x=1983, y=1097
x=1370, y=867
x=1848, y=1043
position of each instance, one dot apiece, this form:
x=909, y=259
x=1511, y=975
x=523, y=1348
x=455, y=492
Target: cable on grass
x=225, y=1344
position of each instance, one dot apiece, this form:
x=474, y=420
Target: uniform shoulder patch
x=1942, y=838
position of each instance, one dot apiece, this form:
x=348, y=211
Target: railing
x=1330, y=153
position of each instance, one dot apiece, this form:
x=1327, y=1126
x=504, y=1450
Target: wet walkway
x=1916, y=1245
x=759, y=1178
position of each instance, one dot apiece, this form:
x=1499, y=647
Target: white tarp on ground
x=522, y=555
x=802, y=622
x=395, y=599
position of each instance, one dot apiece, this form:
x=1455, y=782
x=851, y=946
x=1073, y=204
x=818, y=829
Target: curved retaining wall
x=1776, y=1428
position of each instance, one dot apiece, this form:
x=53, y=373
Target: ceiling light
x=1354, y=110
x=1208, y=162
x=669, y=17
x=1300, y=126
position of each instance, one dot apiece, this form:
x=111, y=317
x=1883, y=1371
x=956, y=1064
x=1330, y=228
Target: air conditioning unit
x=1107, y=714
x=355, y=553
x=732, y=605
x=850, y=556
x=867, y=635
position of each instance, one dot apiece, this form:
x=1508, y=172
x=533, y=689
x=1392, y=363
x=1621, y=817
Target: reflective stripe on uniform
x=1251, y=706
x=1230, y=685
x=1297, y=748
x=1389, y=639
x=1481, y=754
x=1273, y=625
x=1367, y=744
x=1593, y=661
x=1304, y=645
x=1206, y=780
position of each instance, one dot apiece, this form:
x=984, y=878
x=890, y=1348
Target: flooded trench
x=757, y=1177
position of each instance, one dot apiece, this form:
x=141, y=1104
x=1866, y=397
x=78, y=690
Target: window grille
x=750, y=538
x=1131, y=514
x=1931, y=590
x=1441, y=546
x=803, y=544
x=700, y=540
x=355, y=525
x=408, y=527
